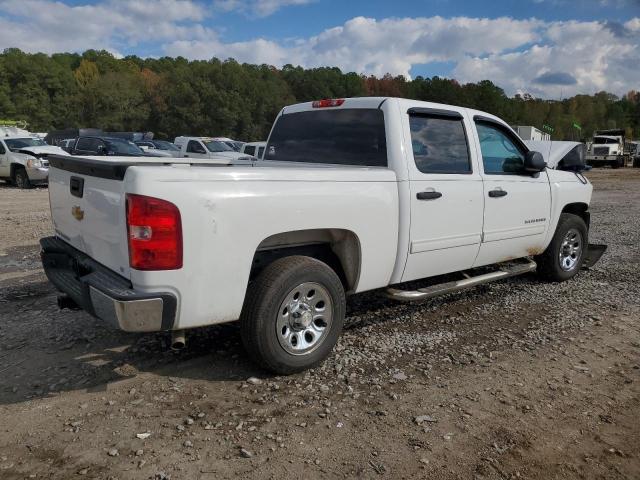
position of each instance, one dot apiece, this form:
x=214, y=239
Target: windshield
x=164, y=145
x=605, y=140
x=15, y=143
x=236, y=146
x=215, y=146
x=124, y=147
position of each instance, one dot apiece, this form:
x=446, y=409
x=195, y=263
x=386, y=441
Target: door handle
x=428, y=195
x=497, y=193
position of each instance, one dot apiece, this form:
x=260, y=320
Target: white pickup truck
x=352, y=195
x=23, y=159
x=212, y=150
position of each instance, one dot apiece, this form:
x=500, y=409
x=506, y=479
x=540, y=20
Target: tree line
x=175, y=96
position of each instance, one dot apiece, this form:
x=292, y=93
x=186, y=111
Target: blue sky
x=545, y=47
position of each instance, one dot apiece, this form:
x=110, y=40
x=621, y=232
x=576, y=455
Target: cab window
x=500, y=154
x=250, y=150
x=195, y=147
x=83, y=144
x=439, y=144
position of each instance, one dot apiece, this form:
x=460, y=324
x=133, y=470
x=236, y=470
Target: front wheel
x=564, y=256
x=293, y=314
x=21, y=178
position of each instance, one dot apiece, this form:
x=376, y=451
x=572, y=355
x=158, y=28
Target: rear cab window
x=344, y=136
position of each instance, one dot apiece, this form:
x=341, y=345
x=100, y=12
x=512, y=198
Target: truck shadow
x=45, y=351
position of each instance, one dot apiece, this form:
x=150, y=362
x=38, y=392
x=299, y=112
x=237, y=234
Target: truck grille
x=601, y=150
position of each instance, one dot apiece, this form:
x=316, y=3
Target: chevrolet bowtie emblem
x=77, y=212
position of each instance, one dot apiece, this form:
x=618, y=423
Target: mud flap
x=593, y=254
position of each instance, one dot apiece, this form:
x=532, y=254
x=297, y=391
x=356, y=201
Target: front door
x=517, y=204
x=446, y=195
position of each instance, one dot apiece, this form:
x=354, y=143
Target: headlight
x=34, y=163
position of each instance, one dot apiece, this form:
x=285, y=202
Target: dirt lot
x=517, y=379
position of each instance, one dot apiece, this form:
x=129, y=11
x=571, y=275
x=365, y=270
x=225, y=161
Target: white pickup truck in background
x=207, y=148
x=351, y=195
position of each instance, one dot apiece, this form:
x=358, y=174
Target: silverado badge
x=77, y=212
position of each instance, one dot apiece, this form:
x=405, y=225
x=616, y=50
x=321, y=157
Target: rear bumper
x=103, y=293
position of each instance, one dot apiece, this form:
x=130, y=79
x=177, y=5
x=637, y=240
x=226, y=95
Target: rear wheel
x=293, y=314
x=563, y=257
x=20, y=178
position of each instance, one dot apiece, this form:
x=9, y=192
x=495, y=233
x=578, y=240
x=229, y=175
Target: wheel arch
x=338, y=248
x=14, y=167
x=580, y=209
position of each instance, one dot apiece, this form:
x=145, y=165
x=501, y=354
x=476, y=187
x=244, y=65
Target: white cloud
x=255, y=51
x=48, y=26
x=546, y=59
x=257, y=8
x=597, y=56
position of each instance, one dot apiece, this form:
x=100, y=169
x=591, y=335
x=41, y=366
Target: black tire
x=21, y=179
x=549, y=262
x=615, y=164
x=261, y=310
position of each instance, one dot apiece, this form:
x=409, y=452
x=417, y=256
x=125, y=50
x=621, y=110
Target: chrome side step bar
x=506, y=271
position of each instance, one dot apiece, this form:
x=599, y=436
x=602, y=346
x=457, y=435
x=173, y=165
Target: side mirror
x=534, y=162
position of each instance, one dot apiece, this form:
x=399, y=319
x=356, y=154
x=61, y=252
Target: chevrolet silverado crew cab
x=351, y=195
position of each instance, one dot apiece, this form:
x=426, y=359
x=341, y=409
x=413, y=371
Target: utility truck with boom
x=351, y=195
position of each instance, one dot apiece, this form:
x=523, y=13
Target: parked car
x=24, y=159
x=235, y=144
x=255, y=149
x=99, y=145
x=160, y=148
x=352, y=195
x=206, y=148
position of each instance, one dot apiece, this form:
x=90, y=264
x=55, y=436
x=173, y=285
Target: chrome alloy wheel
x=570, y=250
x=304, y=318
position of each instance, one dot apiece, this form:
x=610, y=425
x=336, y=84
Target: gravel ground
x=517, y=379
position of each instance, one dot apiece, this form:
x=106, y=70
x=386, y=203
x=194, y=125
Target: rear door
x=446, y=193
x=517, y=204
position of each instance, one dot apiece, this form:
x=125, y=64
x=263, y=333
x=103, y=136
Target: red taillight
x=154, y=229
x=328, y=102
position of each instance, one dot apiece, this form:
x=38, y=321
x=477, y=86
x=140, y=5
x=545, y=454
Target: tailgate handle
x=76, y=186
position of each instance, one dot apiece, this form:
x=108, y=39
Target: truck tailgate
x=88, y=211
